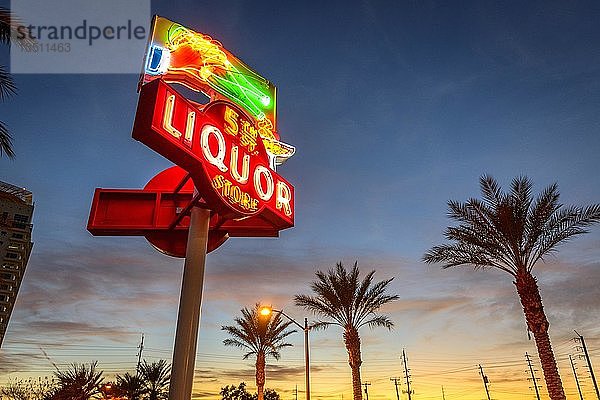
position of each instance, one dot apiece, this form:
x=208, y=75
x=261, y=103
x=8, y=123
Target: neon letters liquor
x=221, y=148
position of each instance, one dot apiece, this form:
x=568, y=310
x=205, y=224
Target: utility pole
x=395, y=380
x=406, y=375
x=533, y=378
x=141, y=347
x=366, y=384
x=307, y=358
x=485, y=382
x=576, y=378
x=589, y=363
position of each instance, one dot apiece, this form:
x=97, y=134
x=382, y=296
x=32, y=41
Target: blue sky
x=394, y=108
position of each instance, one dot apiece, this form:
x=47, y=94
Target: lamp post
x=268, y=311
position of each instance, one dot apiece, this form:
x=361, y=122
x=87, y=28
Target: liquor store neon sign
x=220, y=146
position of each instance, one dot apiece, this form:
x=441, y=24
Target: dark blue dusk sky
x=394, y=108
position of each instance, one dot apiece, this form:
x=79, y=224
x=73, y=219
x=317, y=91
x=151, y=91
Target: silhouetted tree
x=239, y=392
x=7, y=84
x=78, y=382
x=27, y=389
x=344, y=300
x=155, y=377
x=130, y=386
x=261, y=336
x=15, y=391
x=270, y=394
x=232, y=392
x=513, y=231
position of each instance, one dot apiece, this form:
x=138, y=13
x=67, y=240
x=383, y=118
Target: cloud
x=92, y=286
x=571, y=293
x=199, y=394
x=427, y=305
x=114, y=289
x=18, y=361
x=229, y=279
x=62, y=329
x=274, y=372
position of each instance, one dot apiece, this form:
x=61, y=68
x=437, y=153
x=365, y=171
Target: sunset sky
x=394, y=108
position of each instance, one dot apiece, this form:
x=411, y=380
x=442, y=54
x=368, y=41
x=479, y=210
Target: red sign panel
x=220, y=147
x=158, y=213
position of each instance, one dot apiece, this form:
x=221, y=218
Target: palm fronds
x=510, y=230
x=341, y=298
x=156, y=377
x=6, y=141
x=257, y=333
x=79, y=381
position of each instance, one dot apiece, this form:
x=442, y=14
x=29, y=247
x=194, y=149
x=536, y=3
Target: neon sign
x=219, y=146
x=177, y=54
x=225, y=157
x=224, y=183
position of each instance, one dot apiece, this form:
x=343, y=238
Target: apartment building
x=16, y=210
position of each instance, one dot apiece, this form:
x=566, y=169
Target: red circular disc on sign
x=174, y=242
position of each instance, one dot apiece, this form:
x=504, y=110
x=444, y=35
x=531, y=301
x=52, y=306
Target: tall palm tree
x=344, y=300
x=79, y=382
x=156, y=377
x=130, y=386
x=7, y=84
x=512, y=231
x=260, y=336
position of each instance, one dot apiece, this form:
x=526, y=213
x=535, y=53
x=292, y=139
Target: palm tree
x=260, y=336
x=130, y=386
x=513, y=231
x=7, y=84
x=156, y=377
x=79, y=382
x=345, y=301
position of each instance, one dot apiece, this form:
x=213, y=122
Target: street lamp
x=268, y=310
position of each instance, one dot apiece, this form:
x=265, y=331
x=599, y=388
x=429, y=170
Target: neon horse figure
x=200, y=63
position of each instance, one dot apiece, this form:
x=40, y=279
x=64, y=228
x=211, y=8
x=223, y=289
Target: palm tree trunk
x=537, y=323
x=260, y=374
x=352, y=342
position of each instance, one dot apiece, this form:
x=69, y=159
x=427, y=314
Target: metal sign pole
x=190, y=302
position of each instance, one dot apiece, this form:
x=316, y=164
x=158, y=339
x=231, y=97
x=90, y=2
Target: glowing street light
x=268, y=310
